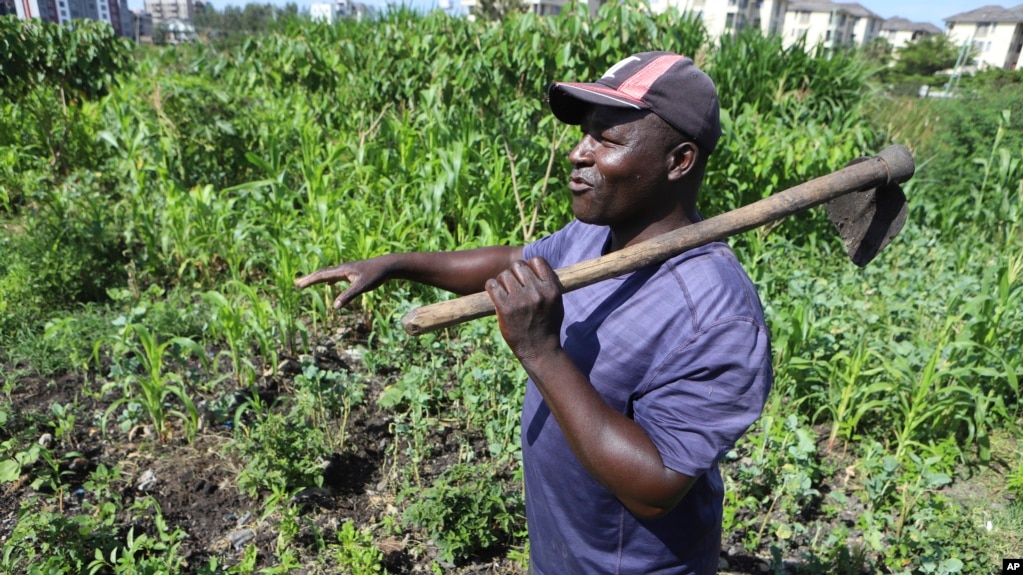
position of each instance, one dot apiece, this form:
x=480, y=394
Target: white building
x=865, y=24
x=830, y=24
x=331, y=12
x=719, y=16
x=772, y=16
x=321, y=13
x=899, y=31
x=167, y=10
x=995, y=33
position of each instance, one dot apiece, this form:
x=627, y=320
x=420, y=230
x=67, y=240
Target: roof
x=858, y=10
x=897, y=24
x=851, y=8
x=989, y=14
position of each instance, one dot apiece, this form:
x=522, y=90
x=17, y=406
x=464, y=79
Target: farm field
x=170, y=403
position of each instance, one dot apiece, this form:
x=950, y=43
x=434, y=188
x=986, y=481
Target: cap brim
x=565, y=99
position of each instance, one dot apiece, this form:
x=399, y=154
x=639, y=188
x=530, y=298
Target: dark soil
x=195, y=483
x=196, y=487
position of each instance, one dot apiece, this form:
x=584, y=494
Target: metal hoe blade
x=868, y=220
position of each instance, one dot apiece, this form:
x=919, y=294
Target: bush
x=466, y=510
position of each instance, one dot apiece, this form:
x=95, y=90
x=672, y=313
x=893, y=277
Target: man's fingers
x=313, y=278
x=520, y=272
x=494, y=286
x=328, y=275
x=305, y=281
x=340, y=301
x=543, y=270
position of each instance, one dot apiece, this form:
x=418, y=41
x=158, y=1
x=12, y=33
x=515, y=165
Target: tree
x=52, y=68
x=926, y=56
x=878, y=52
x=233, y=24
x=499, y=9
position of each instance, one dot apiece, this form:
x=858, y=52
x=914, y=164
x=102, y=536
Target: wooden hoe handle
x=893, y=165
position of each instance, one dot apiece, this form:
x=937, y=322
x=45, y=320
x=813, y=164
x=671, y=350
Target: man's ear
x=682, y=160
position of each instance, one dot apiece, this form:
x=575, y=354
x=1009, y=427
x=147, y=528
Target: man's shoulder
x=715, y=284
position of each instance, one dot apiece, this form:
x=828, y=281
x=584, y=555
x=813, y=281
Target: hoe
x=864, y=202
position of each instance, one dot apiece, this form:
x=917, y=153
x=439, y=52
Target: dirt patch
x=195, y=484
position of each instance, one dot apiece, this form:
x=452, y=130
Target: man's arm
x=614, y=449
x=460, y=272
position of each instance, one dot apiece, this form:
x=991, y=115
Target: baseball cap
x=669, y=85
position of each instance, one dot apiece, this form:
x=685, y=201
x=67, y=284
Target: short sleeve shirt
x=682, y=349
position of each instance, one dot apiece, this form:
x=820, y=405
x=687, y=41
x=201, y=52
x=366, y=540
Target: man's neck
x=623, y=238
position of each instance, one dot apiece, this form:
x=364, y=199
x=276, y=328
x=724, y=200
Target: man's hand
x=363, y=275
x=527, y=297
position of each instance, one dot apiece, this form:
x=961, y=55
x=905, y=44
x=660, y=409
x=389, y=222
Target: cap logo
x=638, y=84
x=611, y=73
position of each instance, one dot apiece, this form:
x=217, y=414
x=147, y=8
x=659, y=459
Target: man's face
x=620, y=165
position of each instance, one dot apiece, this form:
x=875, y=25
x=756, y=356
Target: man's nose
x=582, y=153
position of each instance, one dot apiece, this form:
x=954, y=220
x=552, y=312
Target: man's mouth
x=578, y=185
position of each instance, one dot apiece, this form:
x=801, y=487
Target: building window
x=804, y=17
x=730, y=20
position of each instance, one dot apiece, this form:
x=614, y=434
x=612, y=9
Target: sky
x=933, y=11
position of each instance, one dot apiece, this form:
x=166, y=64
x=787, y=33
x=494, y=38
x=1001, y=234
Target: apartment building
x=46, y=10
x=321, y=12
x=167, y=10
x=831, y=24
x=142, y=26
x=113, y=12
x=994, y=33
x=331, y=12
x=899, y=31
x=771, y=19
x=719, y=16
x=865, y=24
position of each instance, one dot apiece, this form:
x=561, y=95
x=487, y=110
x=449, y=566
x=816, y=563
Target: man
x=639, y=384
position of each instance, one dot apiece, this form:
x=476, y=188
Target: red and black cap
x=667, y=84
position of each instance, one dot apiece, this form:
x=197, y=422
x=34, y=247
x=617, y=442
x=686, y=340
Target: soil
x=195, y=483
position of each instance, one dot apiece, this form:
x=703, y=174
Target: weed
x=282, y=454
x=465, y=511
x=357, y=552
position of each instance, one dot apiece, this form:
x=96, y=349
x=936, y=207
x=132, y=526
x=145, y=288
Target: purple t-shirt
x=683, y=350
